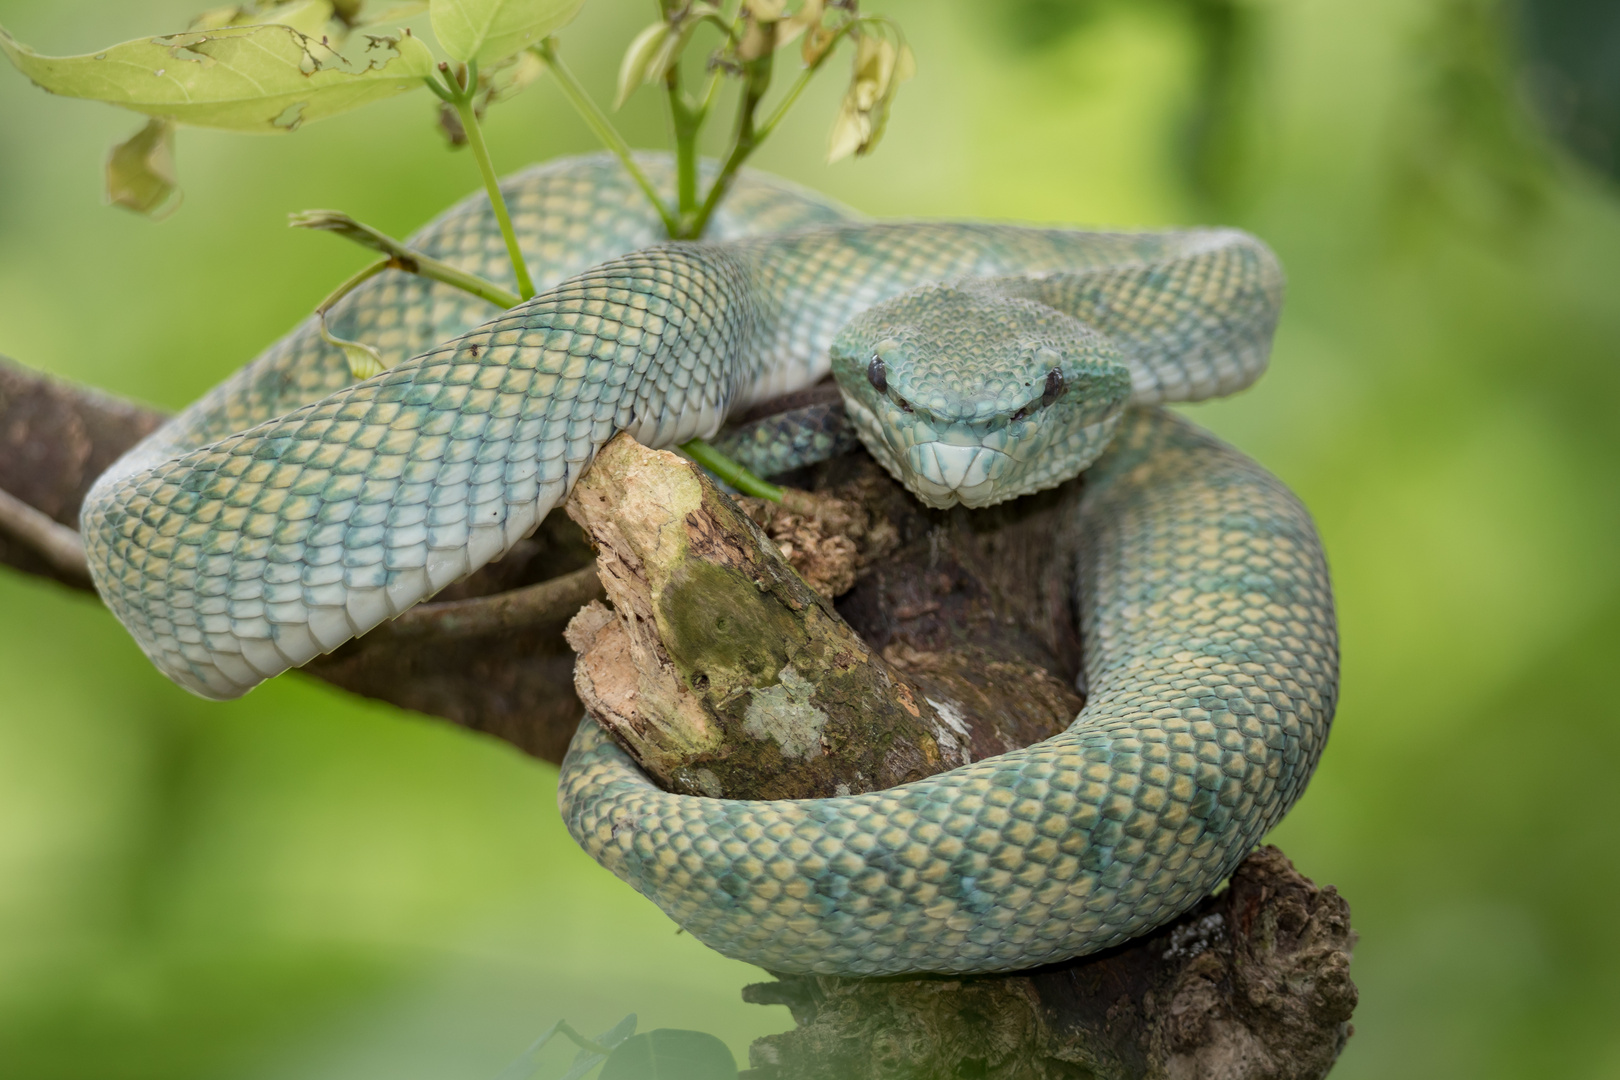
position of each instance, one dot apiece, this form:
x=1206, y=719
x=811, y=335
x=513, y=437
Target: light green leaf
x=364, y=361
x=393, y=13
x=633, y=68
x=140, y=171
x=263, y=79
x=670, y=1054
x=490, y=30
x=306, y=16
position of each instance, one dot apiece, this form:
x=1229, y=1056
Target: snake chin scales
x=291, y=509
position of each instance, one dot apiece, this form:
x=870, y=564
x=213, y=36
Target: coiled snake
x=291, y=509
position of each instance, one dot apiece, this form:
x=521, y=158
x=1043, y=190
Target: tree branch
x=487, y=653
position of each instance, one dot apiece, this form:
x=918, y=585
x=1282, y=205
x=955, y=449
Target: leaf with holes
x=263, y=79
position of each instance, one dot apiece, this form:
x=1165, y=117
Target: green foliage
x=260, y=79
x=488, y=31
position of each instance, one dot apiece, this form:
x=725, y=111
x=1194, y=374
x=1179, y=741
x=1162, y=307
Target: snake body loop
x=290, y=510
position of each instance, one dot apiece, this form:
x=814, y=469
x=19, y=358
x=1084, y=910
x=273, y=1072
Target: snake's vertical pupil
x=878, y=375
x=1056, y=384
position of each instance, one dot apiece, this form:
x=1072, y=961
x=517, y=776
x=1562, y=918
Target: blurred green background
x=305, y=884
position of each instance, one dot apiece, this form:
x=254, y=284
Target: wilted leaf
x=669, y=53
x=670, y=1054
x=879, y=68
x=508, y=79
x=759, y=28
x=140, y=171
x=633, y=68
x=248, y=78
x=364, y=361
x=491, y=30
x=336, y=221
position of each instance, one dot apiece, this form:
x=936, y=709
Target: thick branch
x=488, y=653
x=55, y=439
x=1252, y=984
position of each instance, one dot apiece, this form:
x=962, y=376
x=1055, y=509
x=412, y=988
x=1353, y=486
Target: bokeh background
x=304, y=884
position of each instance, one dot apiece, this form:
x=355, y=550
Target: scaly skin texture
x=1212, y=663
x=290, y=510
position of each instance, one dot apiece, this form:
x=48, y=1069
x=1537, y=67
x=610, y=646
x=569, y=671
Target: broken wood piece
x=719, y=669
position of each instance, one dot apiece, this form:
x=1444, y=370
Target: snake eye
x=1056, y=384
x=878, y=375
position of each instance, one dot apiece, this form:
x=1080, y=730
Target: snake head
x=968, y=395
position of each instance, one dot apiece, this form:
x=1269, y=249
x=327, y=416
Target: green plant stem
x=756, y=81
x=729, y=471
x=599, y=123
x=400, y=257
x=685, y=122
x=475, y=139
x=800, y=83
x=360, y=277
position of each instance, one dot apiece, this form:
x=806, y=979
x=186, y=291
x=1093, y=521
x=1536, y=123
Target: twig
x=542, y=603
x=577, y=96
x=401, y=257
x=57, y=544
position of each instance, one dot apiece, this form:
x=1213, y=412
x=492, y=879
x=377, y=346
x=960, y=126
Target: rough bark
x=970, y=610
x=1252, y=984
x=719, y=668
x=55, y=439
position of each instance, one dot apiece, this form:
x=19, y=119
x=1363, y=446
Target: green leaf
x=306, y=16
x=140, y=171
x=263, y=79
x=490, y=30
x=393, y=13
x=633, y=68
x=670, y=1054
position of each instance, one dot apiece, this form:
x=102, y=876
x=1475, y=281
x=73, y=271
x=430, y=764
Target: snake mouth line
x=951, y=474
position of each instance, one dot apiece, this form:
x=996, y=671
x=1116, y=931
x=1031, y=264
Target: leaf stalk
x=580, y=99
x=460, y=96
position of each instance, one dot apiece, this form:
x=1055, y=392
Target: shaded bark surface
x=969, y=611
x=487, y=653
x=1252, y=984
